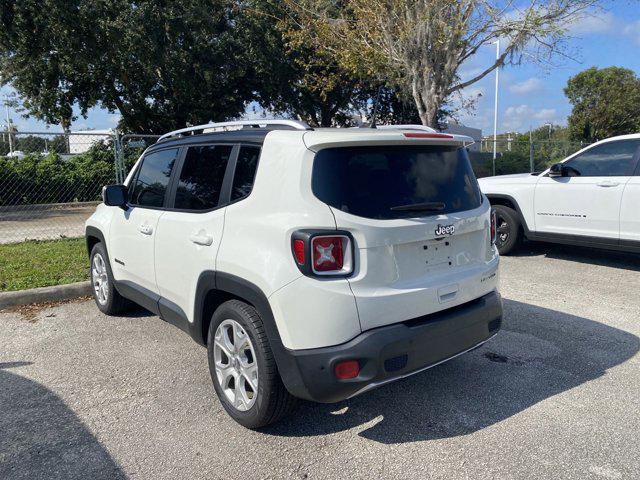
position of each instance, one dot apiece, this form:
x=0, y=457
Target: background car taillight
x=493, y=226
x=318, y=253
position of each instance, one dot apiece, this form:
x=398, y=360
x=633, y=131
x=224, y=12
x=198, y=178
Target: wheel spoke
x=239, y=337
x=220, y=343
x=504, y=228
x=250, y=373
x=241, y=398
x=225, y=372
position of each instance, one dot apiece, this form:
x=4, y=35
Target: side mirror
x=557, y=170
x=115, y=196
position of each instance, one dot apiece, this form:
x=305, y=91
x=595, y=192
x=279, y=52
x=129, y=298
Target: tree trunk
x=65, y=123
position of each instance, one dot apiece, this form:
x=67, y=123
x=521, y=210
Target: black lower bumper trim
x=394, y=351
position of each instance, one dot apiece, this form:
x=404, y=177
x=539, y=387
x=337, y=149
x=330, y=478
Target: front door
x=133, y=231
x=587, y=203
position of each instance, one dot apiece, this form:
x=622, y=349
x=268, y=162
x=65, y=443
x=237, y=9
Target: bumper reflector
x=348, y=369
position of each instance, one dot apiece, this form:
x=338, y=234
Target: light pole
x=495, y=113
x=549, y=125
x=9, y=129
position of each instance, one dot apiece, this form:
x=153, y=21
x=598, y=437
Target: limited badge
x=442, y=230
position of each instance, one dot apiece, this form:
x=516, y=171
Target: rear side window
x=611, y=159
x=370, y=181
x=201, y=177
x=245, y=172
x=150, y=184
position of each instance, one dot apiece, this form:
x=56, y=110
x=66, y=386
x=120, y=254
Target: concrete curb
x=44, y=294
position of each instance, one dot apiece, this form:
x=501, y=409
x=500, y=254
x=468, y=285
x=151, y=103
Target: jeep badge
x=442, y=230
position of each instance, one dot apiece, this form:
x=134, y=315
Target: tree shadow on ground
x=538, y=354
x=593, y=256
x=41, y=438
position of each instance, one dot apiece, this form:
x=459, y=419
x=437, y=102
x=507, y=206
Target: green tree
x=307, y=82
x=419, y=46
x=606, y=102
x=160, y=64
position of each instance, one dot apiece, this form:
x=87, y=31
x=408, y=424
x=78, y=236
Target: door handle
x=201, y=239
x=145, y=229
x=608, y=183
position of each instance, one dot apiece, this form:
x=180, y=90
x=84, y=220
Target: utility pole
x=531, y=151
x=9, y=129
x=495, y=113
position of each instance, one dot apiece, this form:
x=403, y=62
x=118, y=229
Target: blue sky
x=530, y=95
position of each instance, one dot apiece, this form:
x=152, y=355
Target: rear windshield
x=371, y=181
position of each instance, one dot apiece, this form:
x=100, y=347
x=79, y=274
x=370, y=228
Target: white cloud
x=546, y=115
x=633, y=31
x=114, y=119
x=595, y=23
x=530, y=85
x=521, y=117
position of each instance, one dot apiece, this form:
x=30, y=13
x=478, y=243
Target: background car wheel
x=107, y=298
x=508, y=233
x=243, y=369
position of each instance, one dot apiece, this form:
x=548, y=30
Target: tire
x=271, y=401
x=107, y=298
x=508, y=234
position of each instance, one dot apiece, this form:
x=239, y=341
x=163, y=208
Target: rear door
x=189, y=233
x=133, y=231
x=410, y=262
x=587, y=203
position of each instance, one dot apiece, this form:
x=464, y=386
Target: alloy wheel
x=503, y=230
x=235, y=364
x=100, y=279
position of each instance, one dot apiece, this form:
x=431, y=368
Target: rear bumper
x=392, y=352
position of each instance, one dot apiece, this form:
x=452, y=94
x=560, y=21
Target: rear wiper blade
x=420, y=207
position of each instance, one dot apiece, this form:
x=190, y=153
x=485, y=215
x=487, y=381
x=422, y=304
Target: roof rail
x=296, y=124
x=423, y=128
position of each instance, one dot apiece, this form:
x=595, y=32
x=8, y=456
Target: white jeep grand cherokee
x=314, y=264
x=591, y=198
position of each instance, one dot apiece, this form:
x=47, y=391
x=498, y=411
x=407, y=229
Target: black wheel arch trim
x=96, y=233
x=501, y=196
x=250, y=293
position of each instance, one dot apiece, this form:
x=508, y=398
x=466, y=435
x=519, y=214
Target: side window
x=612, y=159
x=150, y=184
x=245, y=172
x=201, y=177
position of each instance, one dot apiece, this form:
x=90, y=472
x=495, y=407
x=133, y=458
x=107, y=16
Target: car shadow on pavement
x=40, y=437
x=538, y=354
x=593, y=256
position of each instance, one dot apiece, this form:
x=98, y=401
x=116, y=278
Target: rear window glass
x=370, y=181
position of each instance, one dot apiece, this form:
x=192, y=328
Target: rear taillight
x=298, y=251
x=493, y=226
x=318, y=253
x=328, y=253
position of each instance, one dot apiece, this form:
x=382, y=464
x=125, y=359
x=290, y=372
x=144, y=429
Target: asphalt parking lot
x=555, y=395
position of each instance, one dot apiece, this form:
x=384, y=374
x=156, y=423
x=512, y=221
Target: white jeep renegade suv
x=591, y=198
x=314, y=264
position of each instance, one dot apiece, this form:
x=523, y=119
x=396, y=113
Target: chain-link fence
x=516, y=156
x=50, y=183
